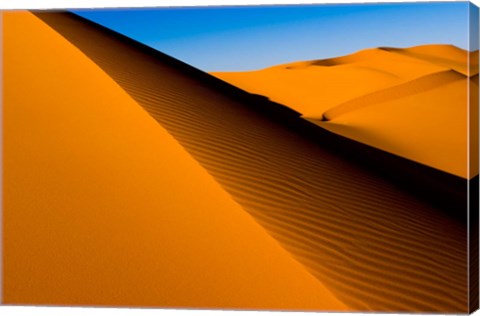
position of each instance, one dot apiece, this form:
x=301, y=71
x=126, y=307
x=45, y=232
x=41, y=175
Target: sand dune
x=417, y=93
x=374, y=245
x=447, y=56
x=312, y=87
x=473, y=89
x=104, y=207
x=429, y=121
x=420, y=85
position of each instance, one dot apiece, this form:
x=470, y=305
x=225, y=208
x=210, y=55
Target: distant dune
x=447, y=56
x=410, y=102
x=162, y=162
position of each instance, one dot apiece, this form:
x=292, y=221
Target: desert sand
x=156, y=183
x=103, y=207
x=410, y=102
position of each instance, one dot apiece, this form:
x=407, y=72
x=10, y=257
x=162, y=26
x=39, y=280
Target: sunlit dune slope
x=420, y=119
x=103, y=207
x=473, y=124
x=448, y=56
x=312, y=87
x=373, y=245
x=410, y=102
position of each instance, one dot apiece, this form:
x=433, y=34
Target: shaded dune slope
x=374, y=245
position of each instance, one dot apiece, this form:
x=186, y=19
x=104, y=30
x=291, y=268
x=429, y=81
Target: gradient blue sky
x=247, y=38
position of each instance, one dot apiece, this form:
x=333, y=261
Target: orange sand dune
x=375, y=246
x=415, y=86
x=313, y=87
x=405, y=101
x=473, y=89
x=395, y=119
x=103, y=207
x=444, y=55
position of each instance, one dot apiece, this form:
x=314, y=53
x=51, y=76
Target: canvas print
x=280, y=157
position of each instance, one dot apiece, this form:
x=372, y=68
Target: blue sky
x=255, y=37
